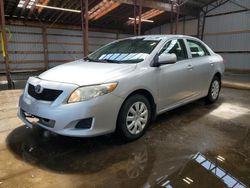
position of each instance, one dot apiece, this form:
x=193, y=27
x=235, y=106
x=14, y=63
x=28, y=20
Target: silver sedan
x=122, y=86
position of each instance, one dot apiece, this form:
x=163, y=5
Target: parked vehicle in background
x=122, y=86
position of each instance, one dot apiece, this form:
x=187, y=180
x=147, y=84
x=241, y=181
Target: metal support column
x=85, y=26
x=135, y=15
x=177, y=16
x=45, y=48
x=171, y=18
x=117, y=35
x=184, y=25
x=202, y=15
x=201, y=24
x=5, y=45
x=139, y=16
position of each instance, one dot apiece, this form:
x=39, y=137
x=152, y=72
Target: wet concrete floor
x=196, y=145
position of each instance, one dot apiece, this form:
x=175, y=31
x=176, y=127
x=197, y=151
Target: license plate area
x=35, y=120
x=31, y=119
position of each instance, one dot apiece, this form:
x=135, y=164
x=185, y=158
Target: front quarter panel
x=141, y=78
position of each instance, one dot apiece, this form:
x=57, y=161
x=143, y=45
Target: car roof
x=160, y=37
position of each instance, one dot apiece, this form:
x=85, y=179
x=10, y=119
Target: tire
x=214, y=90
x=133, y=118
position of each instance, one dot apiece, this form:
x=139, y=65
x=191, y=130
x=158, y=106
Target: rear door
x=202, y=66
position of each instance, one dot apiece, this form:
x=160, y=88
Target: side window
x=197, y=49
x=177, y=47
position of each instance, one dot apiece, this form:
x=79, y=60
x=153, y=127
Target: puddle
x=137, y=164
x=192, y=146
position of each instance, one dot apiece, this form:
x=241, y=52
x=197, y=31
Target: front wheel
x=214, y=90
x=134, y=117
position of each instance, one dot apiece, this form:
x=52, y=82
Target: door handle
x=190, y=67
x=212, y=64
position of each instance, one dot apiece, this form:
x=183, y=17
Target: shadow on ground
x=70, y=155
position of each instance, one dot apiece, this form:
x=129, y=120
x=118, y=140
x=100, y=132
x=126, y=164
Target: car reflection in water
x=137, y=164
x=205, y=173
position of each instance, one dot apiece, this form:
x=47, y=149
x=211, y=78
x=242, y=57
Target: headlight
x=88, y=92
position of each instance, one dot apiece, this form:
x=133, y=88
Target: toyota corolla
x=122, y=86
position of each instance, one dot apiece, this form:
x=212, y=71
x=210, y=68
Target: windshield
x=124, y=51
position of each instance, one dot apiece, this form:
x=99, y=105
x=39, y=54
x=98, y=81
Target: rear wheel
x=214, y=90
x=134, y=117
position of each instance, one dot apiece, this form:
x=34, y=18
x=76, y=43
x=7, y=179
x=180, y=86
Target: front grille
x=45, y=95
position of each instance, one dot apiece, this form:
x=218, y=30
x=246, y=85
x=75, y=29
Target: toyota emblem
x=38, y=89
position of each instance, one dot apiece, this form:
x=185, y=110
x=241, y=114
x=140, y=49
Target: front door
x=175, y=80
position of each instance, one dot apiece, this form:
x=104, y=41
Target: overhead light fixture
x=26, y=3
x=21, y=4
x=95, y=13
x=30, y=4
x=146, y=16
x=143, y=20
x=101, y=9
x=58, y=8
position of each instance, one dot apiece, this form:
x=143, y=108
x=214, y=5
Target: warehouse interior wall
x=227, y=32
x=27, y=46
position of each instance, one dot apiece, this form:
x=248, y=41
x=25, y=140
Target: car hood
x=87, y=73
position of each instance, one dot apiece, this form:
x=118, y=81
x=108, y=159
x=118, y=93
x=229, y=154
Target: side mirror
x=166, y=59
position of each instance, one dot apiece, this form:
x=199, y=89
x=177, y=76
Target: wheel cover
x=137, y=118
x=215, y=89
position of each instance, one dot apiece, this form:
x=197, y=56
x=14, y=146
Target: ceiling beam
x=184, y=10
x=196, y=3
x=149, y=4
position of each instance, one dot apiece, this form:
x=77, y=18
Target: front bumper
x=103, y=110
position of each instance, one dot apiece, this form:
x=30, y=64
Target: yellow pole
x=2, y=44
x=5, y=45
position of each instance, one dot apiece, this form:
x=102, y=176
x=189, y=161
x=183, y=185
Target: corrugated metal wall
x=227, y=31
x=26, y=47
x=22, y=40
x=187, y=28
x=63, y=46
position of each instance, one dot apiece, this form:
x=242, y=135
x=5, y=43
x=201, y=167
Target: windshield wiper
x=132, y=61
x=87, y=59
x=109, y=61
x=101, y=60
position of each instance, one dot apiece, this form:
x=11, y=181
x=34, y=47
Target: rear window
x=197, y=49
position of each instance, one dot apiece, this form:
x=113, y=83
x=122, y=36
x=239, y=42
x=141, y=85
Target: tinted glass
x=177, y=47
x=197, y=49
x=125, y=51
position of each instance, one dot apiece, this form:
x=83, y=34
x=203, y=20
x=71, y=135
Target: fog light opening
x=84, y=123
